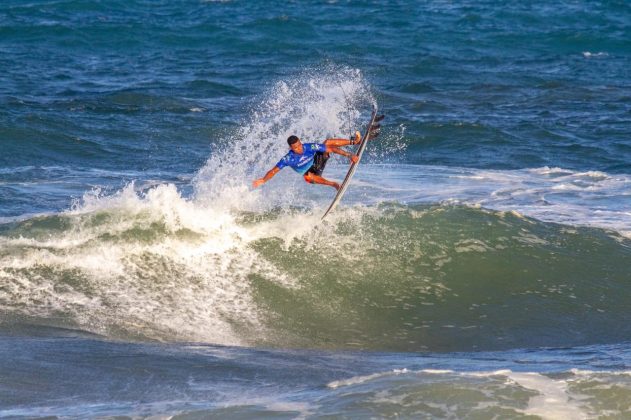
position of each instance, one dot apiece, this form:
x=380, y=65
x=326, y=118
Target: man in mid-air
x=309, y=159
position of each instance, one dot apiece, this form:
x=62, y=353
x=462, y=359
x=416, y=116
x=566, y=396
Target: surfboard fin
x=374, y=128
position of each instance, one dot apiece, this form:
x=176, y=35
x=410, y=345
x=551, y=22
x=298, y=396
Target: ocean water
x=479, y=266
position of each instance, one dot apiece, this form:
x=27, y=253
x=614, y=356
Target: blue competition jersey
x=301, y=163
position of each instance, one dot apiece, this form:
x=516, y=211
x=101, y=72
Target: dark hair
x=291, y=140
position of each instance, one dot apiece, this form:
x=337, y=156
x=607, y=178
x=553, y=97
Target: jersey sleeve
x=318, y=147
x=282, y=163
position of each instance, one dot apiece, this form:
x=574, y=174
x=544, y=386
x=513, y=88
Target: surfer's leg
x=355, y=139
x=338, y=142
x=312, y=178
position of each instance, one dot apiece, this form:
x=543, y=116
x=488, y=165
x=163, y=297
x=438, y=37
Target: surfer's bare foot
x=336, y=186
x=356, y=138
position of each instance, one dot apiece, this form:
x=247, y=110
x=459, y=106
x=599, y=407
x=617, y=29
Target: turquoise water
x=477, y=267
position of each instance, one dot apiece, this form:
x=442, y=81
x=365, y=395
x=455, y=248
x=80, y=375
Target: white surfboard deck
x=353, y=168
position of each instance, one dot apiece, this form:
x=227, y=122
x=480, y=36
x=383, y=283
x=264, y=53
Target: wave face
x=390, y=277
x=447, y=278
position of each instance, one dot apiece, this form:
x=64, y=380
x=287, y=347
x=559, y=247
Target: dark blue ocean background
x=108, y=86
x=479, y=266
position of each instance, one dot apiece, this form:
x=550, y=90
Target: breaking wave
x=387, y=277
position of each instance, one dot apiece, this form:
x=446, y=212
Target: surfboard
x=351, y=171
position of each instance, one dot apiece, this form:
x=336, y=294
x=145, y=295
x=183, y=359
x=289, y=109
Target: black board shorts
x=319, y=162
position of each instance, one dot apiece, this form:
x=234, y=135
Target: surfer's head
x=295, y=144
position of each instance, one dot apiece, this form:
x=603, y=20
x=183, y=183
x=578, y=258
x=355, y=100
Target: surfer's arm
x=267, y=177
x=344, y=153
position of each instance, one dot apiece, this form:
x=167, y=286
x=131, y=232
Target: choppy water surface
x=477, y=268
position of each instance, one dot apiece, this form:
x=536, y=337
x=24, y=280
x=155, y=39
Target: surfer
x=309, y=159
